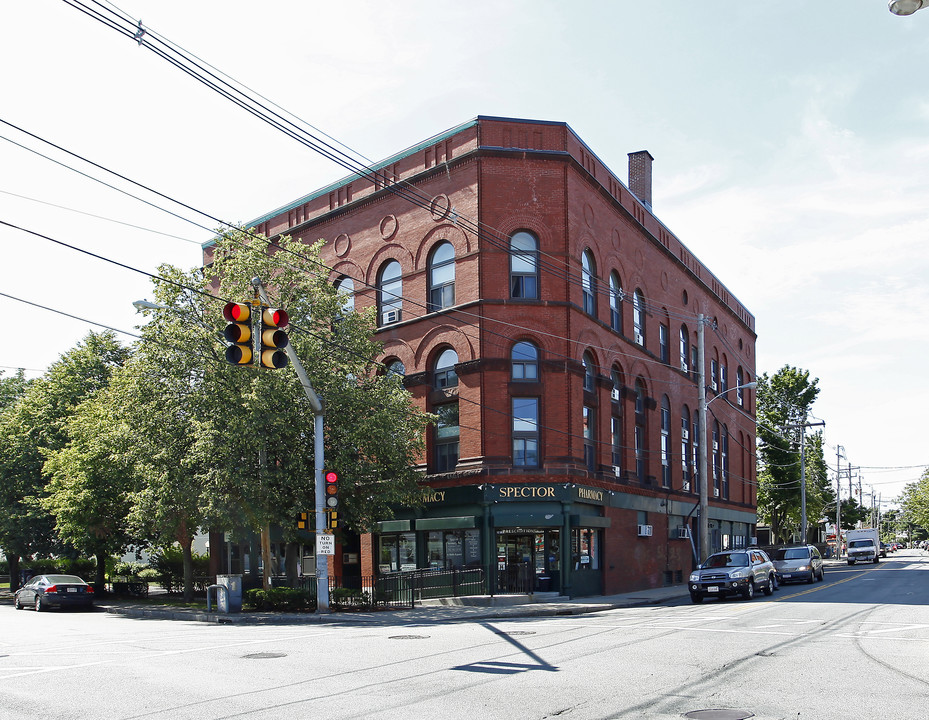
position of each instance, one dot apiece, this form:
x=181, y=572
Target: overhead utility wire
x=191, y=66
x=420, y=304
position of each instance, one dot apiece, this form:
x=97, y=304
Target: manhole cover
x=409, y=637
x=719, y=715
x=264, y=656
x=516, y=633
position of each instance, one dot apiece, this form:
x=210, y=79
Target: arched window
x=686, y=452
x=740, y=391
x=396, y=367
x=589, y=283
x=616, y=303
x=638, y=318
x=442, y=277
x=665, y=442
x=640, y=439
x=588, y=362
x=724, y=452
x=616, y=421
x=390, y=293
x=444, y=371
x=524, y=360
x=717, y=460
x=685, y=350
x=346, y=289
x=447, y=429
x=524, y=266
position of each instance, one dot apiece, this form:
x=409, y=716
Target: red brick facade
x=474, y=187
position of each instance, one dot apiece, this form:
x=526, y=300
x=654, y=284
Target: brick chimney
x=640, y=176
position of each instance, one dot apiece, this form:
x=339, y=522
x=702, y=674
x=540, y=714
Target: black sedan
x=45, y=591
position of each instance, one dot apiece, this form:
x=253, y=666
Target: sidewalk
x=441, y=610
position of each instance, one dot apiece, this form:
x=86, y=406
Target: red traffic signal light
x=332, y=488
x=273, y=339
x=239, y=333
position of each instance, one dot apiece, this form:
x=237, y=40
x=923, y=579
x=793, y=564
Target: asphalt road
x=854, y=646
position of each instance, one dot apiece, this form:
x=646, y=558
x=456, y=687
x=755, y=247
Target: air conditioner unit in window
x=645, y=530
x=685, y=435
x=683, y=533
x=617, y=471
x=639, y=339
x=391, y=316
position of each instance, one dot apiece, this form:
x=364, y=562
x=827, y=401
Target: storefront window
x=585, y=549
x=397, y=552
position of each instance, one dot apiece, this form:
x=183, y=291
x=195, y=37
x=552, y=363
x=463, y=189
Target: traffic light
x=239, y=333
x=273, y=339
x=331, y=478
x=302, y=521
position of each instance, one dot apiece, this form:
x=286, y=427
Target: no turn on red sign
x=325, y=544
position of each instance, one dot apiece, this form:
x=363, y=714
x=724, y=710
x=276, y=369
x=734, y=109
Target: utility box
x=229, y=601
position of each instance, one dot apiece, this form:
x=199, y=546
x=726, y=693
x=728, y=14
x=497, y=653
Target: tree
x=89, y=482
x=12, y=388
x=915, y=502
x=35, y=426
x=232, y=447
x=784, y=403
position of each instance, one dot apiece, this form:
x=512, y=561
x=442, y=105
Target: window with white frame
x=524, y=266
x=589, y=283
x=442, y=277
x=638, y=318
x=616, y=303
x=524, y=362
x=525, y=432
x=390, y=293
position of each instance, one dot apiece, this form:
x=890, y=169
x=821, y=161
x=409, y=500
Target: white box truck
x=863, y=545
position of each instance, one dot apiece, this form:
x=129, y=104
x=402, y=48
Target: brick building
x=537, y=305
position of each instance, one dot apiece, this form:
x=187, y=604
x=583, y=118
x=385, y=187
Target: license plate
x=74, y=590
x=712, y=588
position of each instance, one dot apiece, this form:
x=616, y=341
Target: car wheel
x=822, y=574
x=17, y=604
x=749, y=592
x=696, y=598
x=38, y=604
x=777, y=583
x=812, y=578
x=769, y=588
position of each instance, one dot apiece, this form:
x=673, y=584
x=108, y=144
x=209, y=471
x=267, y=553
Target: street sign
x=325, y=544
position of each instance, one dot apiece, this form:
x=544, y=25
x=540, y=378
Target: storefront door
x=527, y=561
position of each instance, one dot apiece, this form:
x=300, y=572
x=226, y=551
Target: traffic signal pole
x=322, y=561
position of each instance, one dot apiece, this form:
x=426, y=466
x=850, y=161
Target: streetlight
x=704, y=477
x=148, y=305
x=906, y=7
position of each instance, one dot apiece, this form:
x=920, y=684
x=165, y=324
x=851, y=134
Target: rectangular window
x=664, y=343
x=524, y=286
x=525, y=432
x=446, y=437
x=589, y=439
x=616, y=432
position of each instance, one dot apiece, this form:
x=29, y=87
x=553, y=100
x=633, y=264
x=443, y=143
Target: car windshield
x=792, y=554
x=64, y=579
x=726, y=560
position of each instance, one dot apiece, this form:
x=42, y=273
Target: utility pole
x=701, y=389
x=803, y=426
x=839, y=453
x=322, y=561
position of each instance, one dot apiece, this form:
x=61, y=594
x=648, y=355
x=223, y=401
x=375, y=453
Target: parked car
x=885, y=548
x=735, y=572
x=45, y=591
x=799, y=562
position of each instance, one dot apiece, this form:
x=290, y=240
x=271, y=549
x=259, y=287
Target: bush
x=169, y=563
x=349, y=599
x=280, y=599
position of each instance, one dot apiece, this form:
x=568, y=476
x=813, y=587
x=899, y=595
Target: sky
x=791, y=146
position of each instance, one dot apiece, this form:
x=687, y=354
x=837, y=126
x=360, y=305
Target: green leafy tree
x=784, y=403
x=35, y=426
x=231, y=447
x=915, y=503
x=12, y=388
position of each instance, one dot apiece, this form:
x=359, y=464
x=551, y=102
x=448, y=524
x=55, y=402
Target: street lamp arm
x=906, y=7
x=746, y=386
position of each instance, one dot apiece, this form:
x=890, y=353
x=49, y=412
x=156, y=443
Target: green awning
x=591, y=521
x=446, y=523
x=389, y=526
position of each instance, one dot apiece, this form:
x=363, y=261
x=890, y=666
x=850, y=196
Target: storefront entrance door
x=527, y=561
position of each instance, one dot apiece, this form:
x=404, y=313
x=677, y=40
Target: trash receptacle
x=229, y=601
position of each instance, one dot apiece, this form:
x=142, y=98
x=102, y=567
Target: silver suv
x=736, y=572
x=799, y=562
